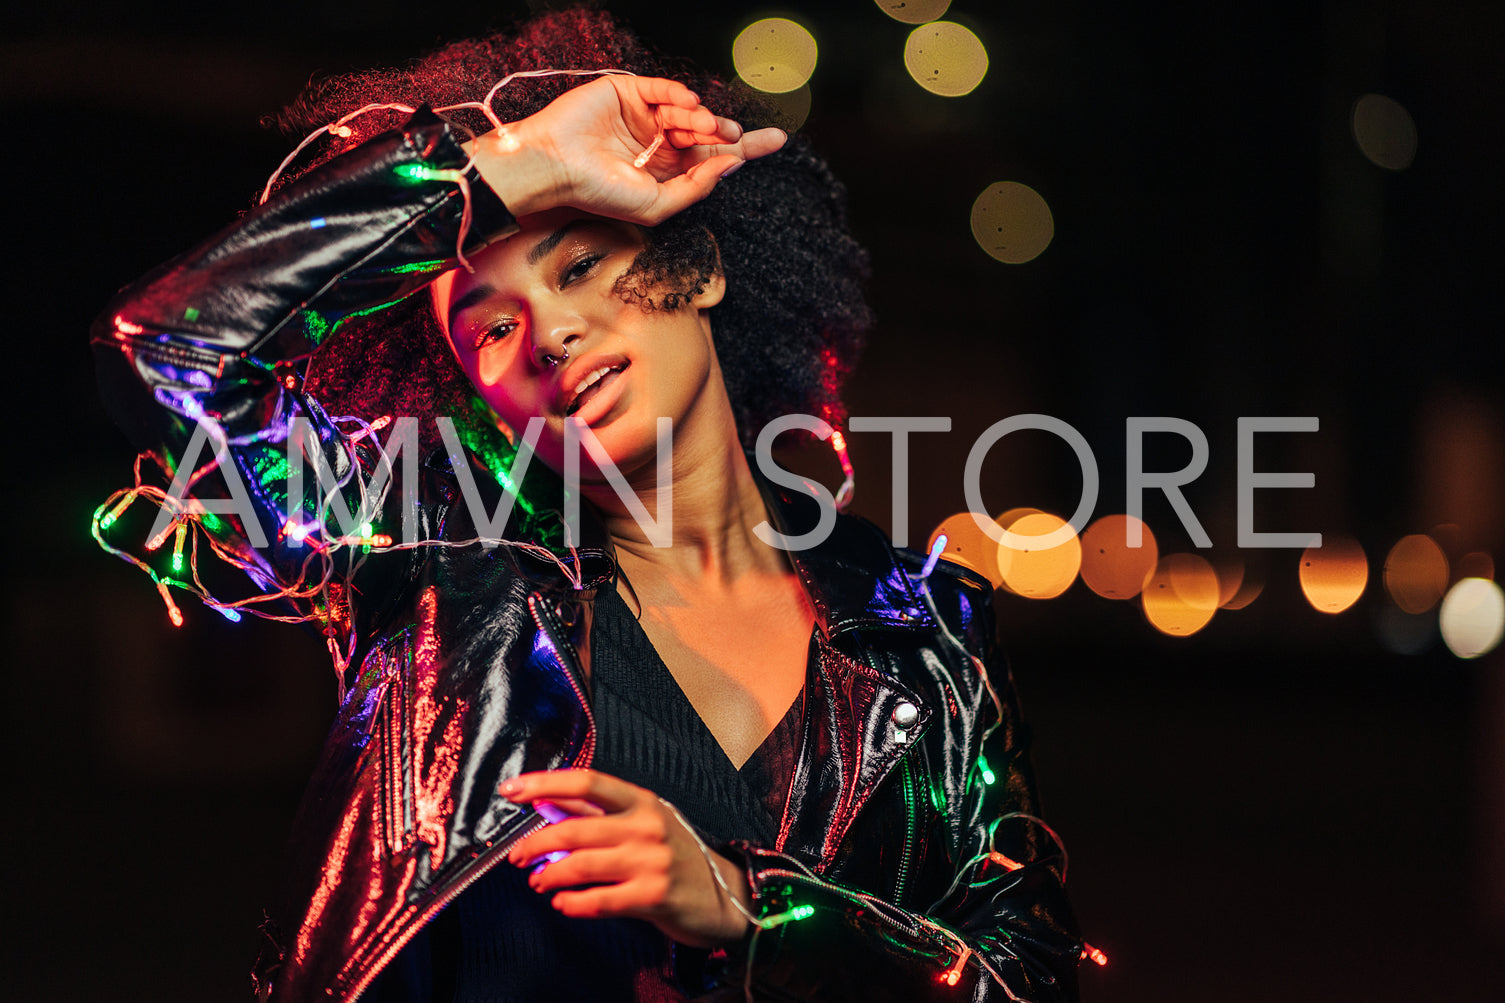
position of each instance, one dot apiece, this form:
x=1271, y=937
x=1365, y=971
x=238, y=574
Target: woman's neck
x=715, y=505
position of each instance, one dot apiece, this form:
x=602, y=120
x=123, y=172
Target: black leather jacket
x=909, y=826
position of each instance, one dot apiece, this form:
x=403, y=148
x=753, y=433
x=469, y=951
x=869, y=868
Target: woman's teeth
x=586, y=387
x=591, y=379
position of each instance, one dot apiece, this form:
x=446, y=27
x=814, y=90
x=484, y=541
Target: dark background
x=1275, y=808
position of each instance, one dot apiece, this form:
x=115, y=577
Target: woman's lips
x=594, y=390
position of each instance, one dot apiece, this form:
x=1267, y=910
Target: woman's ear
x=715, y=286
x=711, y=293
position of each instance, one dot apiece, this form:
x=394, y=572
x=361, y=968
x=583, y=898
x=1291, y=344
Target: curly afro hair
x=792, y=321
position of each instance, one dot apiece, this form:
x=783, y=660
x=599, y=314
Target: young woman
x=602, y=763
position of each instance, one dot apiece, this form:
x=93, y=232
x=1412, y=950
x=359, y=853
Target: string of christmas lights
x=458, y=176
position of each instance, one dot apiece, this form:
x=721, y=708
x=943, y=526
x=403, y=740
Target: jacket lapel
x=851, y=739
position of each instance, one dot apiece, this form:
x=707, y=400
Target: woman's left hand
x=583, y=150
x=633, y=851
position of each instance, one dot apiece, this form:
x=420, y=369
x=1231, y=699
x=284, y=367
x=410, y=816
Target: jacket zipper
x=552, y=629
x=549, y=625
x=910, y=832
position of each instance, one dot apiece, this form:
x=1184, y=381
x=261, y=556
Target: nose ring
x=553, y=360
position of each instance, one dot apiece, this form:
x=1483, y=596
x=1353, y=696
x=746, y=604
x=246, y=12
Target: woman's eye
x=579, y=268
x=494, y=333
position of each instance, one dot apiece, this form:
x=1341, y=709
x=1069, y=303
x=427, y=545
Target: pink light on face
x=123, y=327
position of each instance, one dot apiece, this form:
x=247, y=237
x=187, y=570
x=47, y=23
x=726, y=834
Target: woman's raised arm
x=218, y=336
x=587, y=149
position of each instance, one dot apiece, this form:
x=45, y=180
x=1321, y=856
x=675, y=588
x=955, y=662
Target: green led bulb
x=418, y=172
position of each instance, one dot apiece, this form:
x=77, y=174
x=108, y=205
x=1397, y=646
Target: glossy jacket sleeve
x=1004, y=928
x=221, y=332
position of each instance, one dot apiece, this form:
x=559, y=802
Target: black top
x=648, y=733
x=500, y=942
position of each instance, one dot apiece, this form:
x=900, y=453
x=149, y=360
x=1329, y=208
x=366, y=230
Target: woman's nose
x=553, y=335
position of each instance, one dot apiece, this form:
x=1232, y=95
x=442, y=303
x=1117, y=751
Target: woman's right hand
x=580, y=150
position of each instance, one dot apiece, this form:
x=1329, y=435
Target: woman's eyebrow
x=465, y=302
x=543, y=247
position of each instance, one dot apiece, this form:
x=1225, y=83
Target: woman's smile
x=601, y=385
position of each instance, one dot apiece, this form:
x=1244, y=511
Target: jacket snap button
x=906, y=714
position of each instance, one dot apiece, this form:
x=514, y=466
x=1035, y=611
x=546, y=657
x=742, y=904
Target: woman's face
x=540, y=332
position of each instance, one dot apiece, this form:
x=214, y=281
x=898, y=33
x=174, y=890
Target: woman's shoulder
x=960, y=597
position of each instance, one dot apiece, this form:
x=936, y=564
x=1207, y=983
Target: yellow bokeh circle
x=1112, y=568
x=1012, y=222
x=913, y=11
x=945, y=58
x=1181, y=595
x=1038, y=572
x=775, y=55
x=1333, y=575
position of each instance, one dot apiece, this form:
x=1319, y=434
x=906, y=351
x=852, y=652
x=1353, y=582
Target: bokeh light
x=1384, y=131
x=968, y=545
x=1181, y=595
x=1110, y=567
x=913, y=11
x=1475, y=564
x=1229, y=567
x=1006, y=520
x=1472, y=617
x=791, y=108
x=775, y=54
x=1251, y=580
x=1416, y=573
x=945, y=58
x=1333, y=575
x=1012, y=222
x=1044, y=572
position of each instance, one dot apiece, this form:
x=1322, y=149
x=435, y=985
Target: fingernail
x=512, y=786
x=733, y=169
